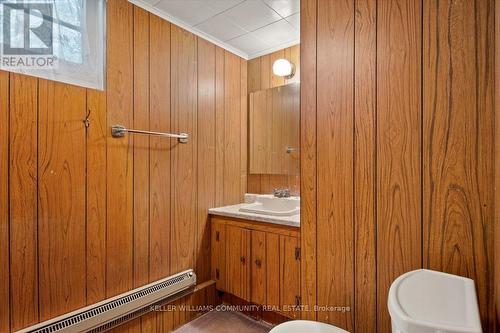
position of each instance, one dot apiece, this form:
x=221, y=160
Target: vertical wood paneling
x=232, y=120
x=398, y=142
x=23, y=200
x=113, y=232
x=220, y=134
x=184, y=156
x=4, y=204
x=308, y=156
x=496, y=223
x=365, y=305
x=161, y=150
x=119, y=245
x=61, y=198
x=206, y=154
x=458, y=142
x=335, y=159
x=96, y=196
x=141, y=147
x=243, y=128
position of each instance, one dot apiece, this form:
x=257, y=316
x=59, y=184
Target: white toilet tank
x=425, y=301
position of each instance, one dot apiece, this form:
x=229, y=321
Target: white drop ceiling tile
x=221, y=28
x=294, y=20
x=277, y=33
x=252, y=14
x=285, y=7
x=222, y=5
x=189, y=11
x=248, y=44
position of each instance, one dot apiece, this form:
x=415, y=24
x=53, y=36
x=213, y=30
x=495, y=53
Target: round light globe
x=283, y=67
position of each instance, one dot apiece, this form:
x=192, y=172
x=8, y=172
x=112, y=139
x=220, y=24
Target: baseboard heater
x=115, y=311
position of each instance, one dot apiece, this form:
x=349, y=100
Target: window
x=61, y=40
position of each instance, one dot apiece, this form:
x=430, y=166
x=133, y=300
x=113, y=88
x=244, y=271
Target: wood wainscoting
x=84, y=216
x=260, y=76
x=397, y=151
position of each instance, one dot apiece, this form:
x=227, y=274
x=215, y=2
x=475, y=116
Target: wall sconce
x=284, y=68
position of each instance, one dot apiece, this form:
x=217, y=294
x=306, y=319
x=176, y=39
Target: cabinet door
x=273, y=270
x=258, y=270
x=219, y=254
x=237, y=262
x=289, y=275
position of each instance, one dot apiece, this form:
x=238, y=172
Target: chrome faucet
x=281, y=193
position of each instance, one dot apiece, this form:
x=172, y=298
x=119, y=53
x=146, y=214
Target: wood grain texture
x=308, y=156
x=61, y=198
x=289, y=276
x=232, y=129
x=119, y=244
x=273, y=269
x=206, y=154
x=398, y=141
x=184, y=156
x=365, y=306
x=220, y=133
x=260, y=77
x=4, y=204
x=258, y=264
x=161, y=149
x=243, y=128
x=96, y=196
x=497, y=163
x=458, y=143
x=335, y=159
x=23, y=186
x=218, y=254
x=238, y=242
x=141, y=147
x=119, y=237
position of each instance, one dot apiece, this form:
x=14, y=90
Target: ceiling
x=248, y=28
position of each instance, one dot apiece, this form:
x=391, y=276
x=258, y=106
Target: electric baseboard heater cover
x=114, y=311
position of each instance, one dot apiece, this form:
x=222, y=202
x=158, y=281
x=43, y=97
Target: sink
x=270, y=205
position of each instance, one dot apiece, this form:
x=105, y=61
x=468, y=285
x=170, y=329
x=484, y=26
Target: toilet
x=301, y=326
x=425, y=301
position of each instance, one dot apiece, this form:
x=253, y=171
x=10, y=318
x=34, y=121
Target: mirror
x=274, y=125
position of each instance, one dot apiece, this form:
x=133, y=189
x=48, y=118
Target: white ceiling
x=249, y=28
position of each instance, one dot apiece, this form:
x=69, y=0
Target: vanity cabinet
x=257, y=262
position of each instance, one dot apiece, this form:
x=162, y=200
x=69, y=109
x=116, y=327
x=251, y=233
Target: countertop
x=233, y=211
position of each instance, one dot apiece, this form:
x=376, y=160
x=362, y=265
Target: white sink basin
x=269, y=205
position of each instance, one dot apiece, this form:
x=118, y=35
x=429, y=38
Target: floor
x=224, y=322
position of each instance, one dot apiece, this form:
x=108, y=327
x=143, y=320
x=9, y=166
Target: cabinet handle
x=217, y=274
x=242, y=259
x=258, y=262
x=217, y=236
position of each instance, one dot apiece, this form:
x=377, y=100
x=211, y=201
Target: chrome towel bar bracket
x=119, y=131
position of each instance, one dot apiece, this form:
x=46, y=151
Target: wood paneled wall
x=85, y=216
x=397, y=146
x=260, y=76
